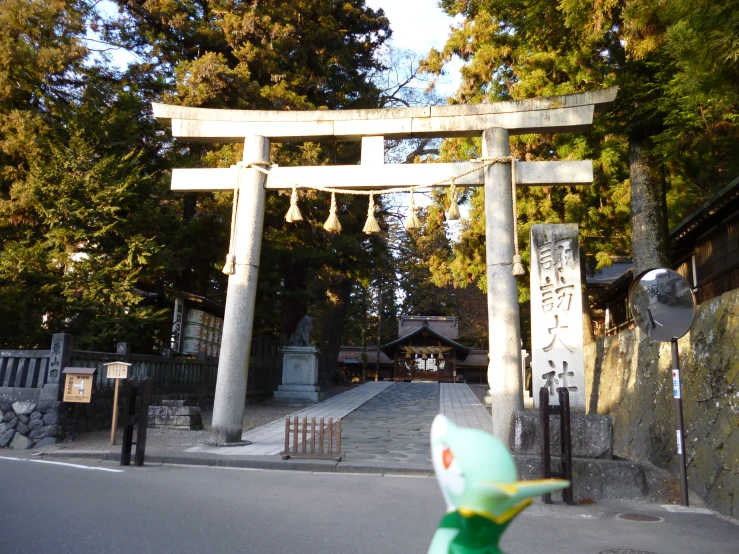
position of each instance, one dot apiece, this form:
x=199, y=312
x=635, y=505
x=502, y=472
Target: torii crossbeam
x=494, y=122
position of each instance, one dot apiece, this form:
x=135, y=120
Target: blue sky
x=420, y=25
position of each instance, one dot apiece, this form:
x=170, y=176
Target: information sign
x=117, y=370
x=78, y=384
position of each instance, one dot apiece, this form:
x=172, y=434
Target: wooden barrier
x=132, y=389
x=563, y=410
x=305, y=431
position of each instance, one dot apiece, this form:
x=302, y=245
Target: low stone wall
x=32, y=423
x=174, y=414
x=29, y=424
x=628, y=377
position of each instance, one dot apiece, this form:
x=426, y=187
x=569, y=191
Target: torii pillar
x=504, y=350
x=233, y=364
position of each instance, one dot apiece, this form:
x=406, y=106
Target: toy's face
x=465, y=460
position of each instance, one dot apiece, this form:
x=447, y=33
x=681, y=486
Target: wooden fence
x=24, y=369
x=29, y=369
x=311, y=442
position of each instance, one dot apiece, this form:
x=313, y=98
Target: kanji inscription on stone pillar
x=556, y=313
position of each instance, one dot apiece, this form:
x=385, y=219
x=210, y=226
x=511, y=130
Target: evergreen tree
x=277, y=55
x=89, y=227
x=661, y=139
x=76, y=198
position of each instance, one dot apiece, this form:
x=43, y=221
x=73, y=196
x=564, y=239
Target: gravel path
x=255, y=415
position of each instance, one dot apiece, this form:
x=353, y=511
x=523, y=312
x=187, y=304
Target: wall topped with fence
x=21, y=369
x=26, y=372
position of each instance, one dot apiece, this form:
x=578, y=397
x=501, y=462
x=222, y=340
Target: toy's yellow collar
x=502, y=518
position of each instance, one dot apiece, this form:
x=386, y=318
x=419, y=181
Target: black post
x=129, y=411
x=76, y=419
x=145, y=387
x=566, y=444
x=677, y=394
x=544, y=446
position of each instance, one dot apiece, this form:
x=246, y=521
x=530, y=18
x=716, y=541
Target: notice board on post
x=117, y=370
x=78, y=384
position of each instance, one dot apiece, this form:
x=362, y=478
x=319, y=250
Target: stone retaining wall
x=628, y=377
x=29, y=424
x=36, y=423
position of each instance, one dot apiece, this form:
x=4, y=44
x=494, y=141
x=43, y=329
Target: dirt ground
x=255, y=415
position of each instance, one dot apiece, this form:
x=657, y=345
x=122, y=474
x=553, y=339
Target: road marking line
x=79, y=466
x=675, y=509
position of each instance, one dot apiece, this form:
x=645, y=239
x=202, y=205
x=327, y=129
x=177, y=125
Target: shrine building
x=427, y=349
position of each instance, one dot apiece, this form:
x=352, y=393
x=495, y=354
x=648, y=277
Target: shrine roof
x=460, y=350
x=607, y=275
x=706, y=216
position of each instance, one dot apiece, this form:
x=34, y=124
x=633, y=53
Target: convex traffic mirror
x=663, y=307
x=662, y=304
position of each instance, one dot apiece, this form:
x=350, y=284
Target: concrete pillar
x=233, y=364
x=504, y=367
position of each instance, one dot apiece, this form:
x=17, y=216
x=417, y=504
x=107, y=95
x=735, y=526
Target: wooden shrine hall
x=426, y=350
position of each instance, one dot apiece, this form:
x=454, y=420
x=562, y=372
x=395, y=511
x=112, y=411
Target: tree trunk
x=294, y=297
x=650, y=245
x=333, y=329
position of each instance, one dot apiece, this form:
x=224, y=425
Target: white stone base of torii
x=494, y=122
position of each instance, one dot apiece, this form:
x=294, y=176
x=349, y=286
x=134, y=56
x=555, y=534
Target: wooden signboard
x=117, y=371
x=78, y=384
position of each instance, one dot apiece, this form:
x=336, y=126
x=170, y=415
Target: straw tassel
x=293, y=214
x=229, y=268
x=371, y=225
x=412, y=221
x=332, y=223
x=453, y=207
x=517, y=265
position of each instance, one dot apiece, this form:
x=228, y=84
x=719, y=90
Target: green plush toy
x=480, y=484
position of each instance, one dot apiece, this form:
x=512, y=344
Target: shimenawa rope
x=332, y=224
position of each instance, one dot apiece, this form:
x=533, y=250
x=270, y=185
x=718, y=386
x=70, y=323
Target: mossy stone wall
x=628, y=377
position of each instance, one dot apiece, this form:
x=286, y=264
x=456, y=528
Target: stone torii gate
x=494, y=122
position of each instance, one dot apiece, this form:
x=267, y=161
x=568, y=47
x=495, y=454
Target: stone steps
x=174, y=414
x=592, y=435
x=595, y=473
x=594, y=479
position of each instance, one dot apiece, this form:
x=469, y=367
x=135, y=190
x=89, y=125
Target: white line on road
x=78, y=466
x=686, y=509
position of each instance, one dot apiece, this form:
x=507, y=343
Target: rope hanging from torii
x=333, y=225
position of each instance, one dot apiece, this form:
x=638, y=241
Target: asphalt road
x=47, y=507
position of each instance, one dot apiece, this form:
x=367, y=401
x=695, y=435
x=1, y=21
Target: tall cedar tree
x=282, y=55
x=81, y=221
x=660, y=138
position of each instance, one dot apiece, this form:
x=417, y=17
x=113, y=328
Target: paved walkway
x=393, y=428
x=383, y=422
x=269, y=439
x=460, y=404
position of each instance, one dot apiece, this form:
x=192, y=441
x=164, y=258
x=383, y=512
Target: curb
x=247, y=462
